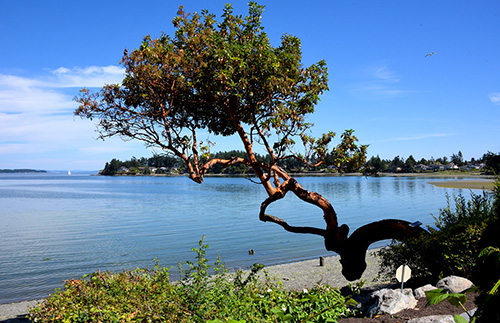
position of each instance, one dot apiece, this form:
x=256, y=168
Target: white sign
x=403, y=273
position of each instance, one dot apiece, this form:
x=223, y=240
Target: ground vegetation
x=206, y=293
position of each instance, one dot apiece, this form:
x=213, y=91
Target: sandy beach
x=479, y=184
x=296, y=276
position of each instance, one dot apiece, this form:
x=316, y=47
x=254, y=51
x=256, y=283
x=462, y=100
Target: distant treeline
x=488, y=163
x=164, y=164
x=21, y=171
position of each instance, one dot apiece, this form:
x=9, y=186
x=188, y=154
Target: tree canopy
x=226, y=78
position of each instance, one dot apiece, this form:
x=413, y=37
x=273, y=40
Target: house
x=123, y=169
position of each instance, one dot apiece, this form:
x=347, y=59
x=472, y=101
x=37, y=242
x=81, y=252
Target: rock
x=379, y=293
x=392, y=301
x=433, y=319
x=420, y=292
x=454, y=284
x=441, y=318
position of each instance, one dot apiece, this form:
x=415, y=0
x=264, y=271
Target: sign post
x=403, y=273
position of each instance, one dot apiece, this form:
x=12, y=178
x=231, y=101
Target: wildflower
x=269, y=290
x=305, y=290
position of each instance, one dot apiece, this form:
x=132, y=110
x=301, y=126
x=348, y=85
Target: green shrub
x=204, y=294
x=462, y=230
x=132, y=296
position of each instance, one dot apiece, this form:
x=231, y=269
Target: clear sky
x=400, y=100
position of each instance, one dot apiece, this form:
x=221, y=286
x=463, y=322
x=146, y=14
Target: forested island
x=12, y=171
x=489, y=163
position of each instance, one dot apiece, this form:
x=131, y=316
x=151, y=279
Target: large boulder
x=454, y=284
x=393, y=301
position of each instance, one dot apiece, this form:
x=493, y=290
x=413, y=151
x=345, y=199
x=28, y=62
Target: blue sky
x=399, y=101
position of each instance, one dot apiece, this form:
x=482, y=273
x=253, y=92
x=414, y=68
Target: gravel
x=305, y=274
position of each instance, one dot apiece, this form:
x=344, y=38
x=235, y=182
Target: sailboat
x=69, y=172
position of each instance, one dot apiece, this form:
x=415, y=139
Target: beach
x=294, y=276
x=305, y=274
x=479, y=184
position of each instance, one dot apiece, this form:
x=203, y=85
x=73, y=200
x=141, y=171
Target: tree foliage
x=492, y=161
x=226, y=78
x=457, y=159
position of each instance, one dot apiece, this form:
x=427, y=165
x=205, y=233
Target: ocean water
x=56, y=226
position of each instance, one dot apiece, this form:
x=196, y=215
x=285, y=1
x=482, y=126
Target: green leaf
x=436, y=296
x=351, y=302
x=278, y=312
x=457, y=299
x=459, y=319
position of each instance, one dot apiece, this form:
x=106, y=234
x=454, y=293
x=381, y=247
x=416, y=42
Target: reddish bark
x=352, y=249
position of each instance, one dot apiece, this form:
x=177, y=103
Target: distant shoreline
x=434, y=174
x=21, y=171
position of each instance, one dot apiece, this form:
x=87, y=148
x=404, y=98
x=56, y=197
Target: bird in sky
x=430, y=54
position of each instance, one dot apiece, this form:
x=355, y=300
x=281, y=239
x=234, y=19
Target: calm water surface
x=54, y=227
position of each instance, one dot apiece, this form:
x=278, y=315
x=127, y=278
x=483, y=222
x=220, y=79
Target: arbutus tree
x=225, y=77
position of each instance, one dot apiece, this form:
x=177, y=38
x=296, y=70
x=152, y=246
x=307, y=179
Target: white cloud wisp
x=380, y=82
x=495, y=97
x=37, y=122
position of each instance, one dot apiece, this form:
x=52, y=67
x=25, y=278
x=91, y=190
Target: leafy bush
x=489, y=299
x=139, y=295
x=462, y=229
x=204, y=294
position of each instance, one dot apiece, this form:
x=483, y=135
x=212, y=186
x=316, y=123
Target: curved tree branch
x=290, y=184
x=353, y=250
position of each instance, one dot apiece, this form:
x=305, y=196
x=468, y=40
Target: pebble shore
x=305, y=274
